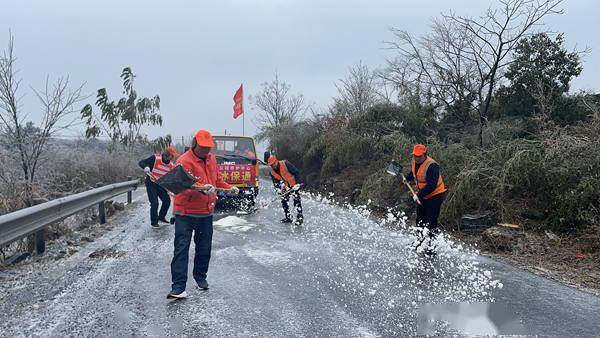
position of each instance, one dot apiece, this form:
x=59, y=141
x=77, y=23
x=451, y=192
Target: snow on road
x=344, y=273
x=233, y=224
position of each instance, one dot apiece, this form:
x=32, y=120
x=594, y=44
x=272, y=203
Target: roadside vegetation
x=491, y=98
x=42, y=161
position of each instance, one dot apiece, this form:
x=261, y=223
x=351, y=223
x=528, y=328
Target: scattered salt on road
x=233, y=224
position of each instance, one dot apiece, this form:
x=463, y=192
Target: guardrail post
x=37, y=241
x=129, y=178
x=101, y=212
x=40, y=241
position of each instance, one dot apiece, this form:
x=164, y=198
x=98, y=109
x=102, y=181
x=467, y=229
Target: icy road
x=341, y=274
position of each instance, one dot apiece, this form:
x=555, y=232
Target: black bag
x=177, y=180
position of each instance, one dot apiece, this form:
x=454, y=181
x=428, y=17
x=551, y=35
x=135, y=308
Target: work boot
x=176, y=294
x=203, y=284
x=286, y=220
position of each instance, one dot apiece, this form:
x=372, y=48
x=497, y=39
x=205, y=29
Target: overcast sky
x=195, y=54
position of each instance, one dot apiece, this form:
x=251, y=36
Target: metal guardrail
x=21, y=223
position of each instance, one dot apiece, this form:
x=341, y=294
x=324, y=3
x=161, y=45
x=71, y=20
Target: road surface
x=341, y=274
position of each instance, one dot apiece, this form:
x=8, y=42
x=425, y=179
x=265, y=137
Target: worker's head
x=166, y=156
x=171, y=150
x=272, y=161
x=419, y=153
x=202, y=144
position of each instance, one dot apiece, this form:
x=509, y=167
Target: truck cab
x=237, y=162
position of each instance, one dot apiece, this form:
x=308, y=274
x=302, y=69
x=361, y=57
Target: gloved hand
x=209, y=189
x=235, y=190
x=416, y=198
x=296, y=187
x=148, y=171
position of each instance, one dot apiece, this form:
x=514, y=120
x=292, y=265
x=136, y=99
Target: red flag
x=238, y=105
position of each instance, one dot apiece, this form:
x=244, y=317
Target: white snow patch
x=230, y=221
x=234, y=224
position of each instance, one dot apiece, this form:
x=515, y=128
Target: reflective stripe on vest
x=160, y=168
x=285, y=176
x=420, y=177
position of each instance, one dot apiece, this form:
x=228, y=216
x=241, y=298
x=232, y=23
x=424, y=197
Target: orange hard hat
x=204, y=139
x=419, y=150
x=172, y=151
x=272, y=160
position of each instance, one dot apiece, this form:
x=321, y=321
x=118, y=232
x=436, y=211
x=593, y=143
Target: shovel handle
x=276, y=198
x=412, y=191
x=195, y=187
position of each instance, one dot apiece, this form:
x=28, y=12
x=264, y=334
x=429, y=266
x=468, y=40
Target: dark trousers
x=429, y=212
x=155, y=192
x=202, y=229
x=285, y=203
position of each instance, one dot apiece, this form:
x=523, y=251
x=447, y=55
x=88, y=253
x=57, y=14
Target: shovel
x=179, y=179
x=395, y=169
x=276, y=198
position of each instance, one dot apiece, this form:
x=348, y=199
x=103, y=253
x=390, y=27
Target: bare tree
x=543, y=95
x=24, y=139
x=277, y=107
x=434, y=67
x=494, y=36
x=591, y=103
x=462, y=59
x=358, y=91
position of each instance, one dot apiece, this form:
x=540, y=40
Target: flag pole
x=243, y=115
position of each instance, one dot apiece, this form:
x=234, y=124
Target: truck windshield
x=234, y=147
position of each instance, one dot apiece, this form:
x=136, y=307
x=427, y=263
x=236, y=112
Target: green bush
x=382, y=189
x=578, y=207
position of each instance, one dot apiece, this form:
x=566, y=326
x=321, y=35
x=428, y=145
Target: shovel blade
x=394, y=168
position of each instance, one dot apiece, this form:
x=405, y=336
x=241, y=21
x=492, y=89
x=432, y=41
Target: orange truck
x=236, y=158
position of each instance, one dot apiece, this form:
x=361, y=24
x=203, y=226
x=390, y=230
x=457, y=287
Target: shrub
x=578, y=207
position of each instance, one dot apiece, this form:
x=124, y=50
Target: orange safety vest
x=192, y=201
x=285, y=176
x=160, y=168
x=420, y=177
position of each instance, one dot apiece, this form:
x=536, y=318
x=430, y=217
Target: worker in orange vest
x=285, y=177
x=155, y=167
x=242, y=149
x=193, y=209
x=431, y=192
